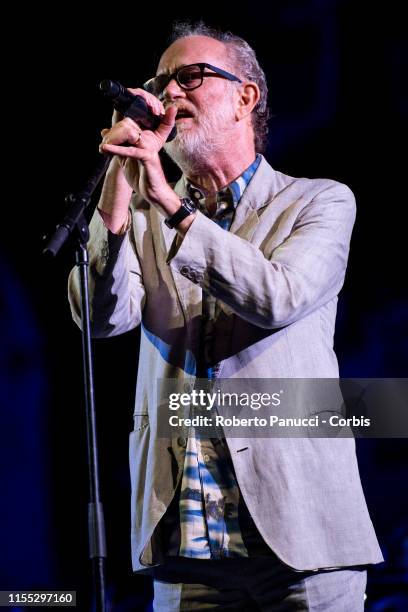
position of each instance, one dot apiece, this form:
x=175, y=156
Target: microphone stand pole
x=74, y=222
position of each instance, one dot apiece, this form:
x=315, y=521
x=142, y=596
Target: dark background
x=336, y=74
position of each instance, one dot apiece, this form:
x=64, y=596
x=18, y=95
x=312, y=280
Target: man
x=233, y=273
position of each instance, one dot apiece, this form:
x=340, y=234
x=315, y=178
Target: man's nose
x=173, y=90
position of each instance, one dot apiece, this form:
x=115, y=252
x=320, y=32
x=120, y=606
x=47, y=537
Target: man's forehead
x=190, y=50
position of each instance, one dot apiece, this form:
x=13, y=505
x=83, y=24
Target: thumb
x=167, y=123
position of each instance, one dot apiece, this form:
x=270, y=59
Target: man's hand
x=129, y=165
x=147, y=178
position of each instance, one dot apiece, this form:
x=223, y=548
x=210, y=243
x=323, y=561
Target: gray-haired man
x=232, y=272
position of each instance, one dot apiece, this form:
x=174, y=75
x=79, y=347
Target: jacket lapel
x=260, y=192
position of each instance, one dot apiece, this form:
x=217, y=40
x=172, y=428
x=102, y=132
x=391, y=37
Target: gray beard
x=193, y=152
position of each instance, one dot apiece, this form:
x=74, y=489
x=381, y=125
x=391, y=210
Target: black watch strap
x=187, y=208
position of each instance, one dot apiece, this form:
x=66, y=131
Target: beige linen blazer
x=276, y=276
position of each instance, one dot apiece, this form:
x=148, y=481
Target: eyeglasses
x=187, y=77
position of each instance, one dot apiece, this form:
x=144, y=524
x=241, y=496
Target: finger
x=104, y=131
x=152, y=102
x=167, y=123
x=131, y=126
x=123, y=151
x=134, y=138
x=125, y=130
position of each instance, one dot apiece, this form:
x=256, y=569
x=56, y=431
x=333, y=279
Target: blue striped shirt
x=209, y=494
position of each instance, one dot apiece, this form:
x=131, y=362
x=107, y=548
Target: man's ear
x=249, y=95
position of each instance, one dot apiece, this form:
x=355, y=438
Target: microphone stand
x=74, y=222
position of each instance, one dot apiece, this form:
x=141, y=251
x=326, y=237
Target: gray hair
x=245, y=62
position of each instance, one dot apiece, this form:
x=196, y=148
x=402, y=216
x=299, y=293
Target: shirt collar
x=227, y=198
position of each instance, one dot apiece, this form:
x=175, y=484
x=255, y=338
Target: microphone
x=129, y=105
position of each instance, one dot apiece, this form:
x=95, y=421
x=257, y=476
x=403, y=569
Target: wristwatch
x=187, y=208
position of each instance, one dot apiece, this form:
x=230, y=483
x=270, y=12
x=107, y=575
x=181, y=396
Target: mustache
x=181, y=109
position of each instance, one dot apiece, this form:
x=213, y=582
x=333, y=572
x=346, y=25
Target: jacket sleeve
x=302, y=273
x=117, y=294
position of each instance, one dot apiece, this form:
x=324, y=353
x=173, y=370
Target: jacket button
x=105, y=253
x=182, y=441
x=184, y=270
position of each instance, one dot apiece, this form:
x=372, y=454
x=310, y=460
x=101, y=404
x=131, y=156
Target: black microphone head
x=112, y=89
x=132, y=106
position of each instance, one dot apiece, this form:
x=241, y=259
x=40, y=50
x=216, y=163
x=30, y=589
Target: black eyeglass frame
x=217, y=72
